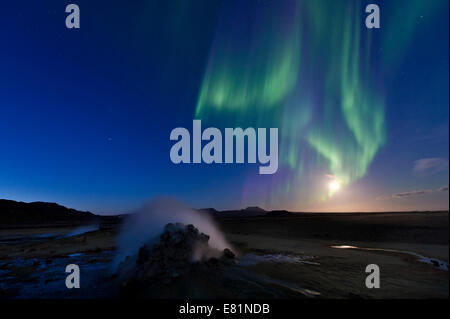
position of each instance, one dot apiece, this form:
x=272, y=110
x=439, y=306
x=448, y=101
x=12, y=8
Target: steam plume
x=148, y=222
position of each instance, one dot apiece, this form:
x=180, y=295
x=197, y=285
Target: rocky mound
x=180, y=250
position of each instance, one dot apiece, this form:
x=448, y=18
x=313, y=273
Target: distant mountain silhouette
x=12, y=212
x=250, y=211
x=279, y=213
x=255, y=209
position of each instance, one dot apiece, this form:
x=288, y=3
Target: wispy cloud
x=429, y=166
x=412, y=193
x=408, y=194
x=443, y=189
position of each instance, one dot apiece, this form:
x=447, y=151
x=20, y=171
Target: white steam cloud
x=148, y=223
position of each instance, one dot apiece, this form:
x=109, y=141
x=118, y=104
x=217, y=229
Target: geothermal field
x=168, y=251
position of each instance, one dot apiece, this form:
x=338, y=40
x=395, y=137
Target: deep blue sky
x=85, y=115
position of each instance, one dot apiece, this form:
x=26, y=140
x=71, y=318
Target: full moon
x=334, y=186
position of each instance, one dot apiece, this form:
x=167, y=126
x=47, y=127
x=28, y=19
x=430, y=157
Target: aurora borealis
x=353, y=106
x=273, y=64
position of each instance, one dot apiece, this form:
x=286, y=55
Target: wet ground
x=288, y=259
x=36, y=278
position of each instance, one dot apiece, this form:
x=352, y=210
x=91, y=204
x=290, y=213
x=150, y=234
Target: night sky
x=86, y=114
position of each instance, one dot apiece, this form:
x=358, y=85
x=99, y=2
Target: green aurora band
x=360, y=109
x=260, y=72
x=305, y=67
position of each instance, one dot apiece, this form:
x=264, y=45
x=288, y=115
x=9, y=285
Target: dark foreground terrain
x=278, y=255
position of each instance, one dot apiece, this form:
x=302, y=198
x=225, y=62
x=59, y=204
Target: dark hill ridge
x=250, y=211
x=260, y=212
x=12, y=212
